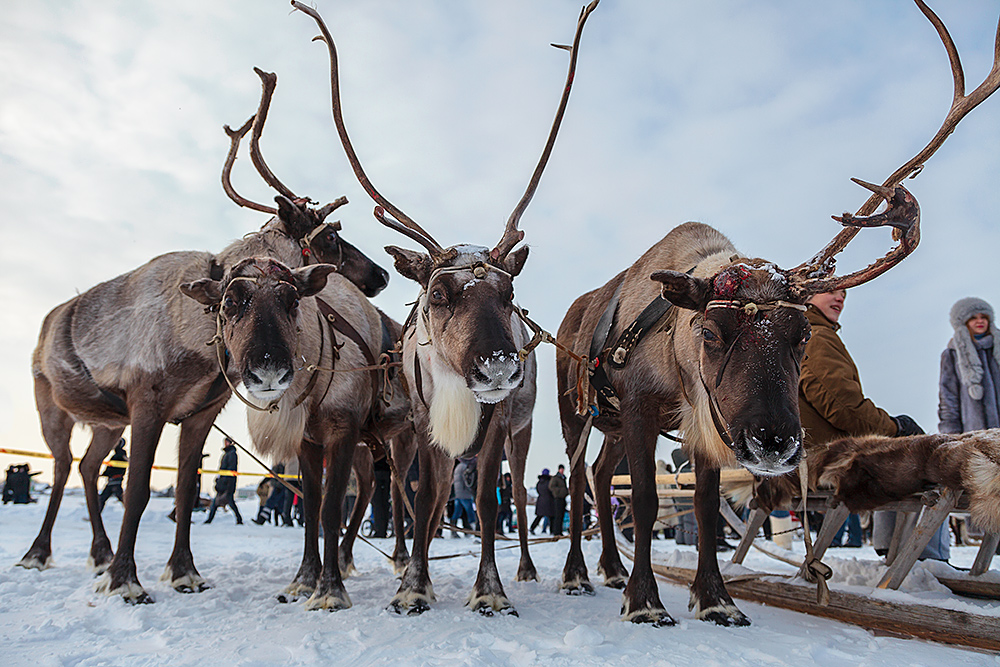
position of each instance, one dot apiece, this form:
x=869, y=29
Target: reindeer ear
x=416, y=266
x=297, y=222
x=205, y=291
x=310, y=280
x=682, y=290
x=515, y=261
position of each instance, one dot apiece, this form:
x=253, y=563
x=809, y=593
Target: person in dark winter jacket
x=559, y=490
x=381, y=499
x=115, y=475
x=274, y=501
x=462, y=485
x=225, y=485
x=544, y=502
x=505, y=516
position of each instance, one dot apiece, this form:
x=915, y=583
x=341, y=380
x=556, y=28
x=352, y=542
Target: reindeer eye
x=438, y=296
x=708, y=335
x=229, y=303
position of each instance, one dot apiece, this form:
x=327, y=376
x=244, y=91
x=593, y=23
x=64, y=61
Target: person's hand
x=906, y=426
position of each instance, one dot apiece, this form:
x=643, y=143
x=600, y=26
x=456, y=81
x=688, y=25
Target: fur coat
x=969, y=385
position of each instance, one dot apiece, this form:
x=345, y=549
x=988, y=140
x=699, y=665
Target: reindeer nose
x=497, y=371
x=268, y=382
x=769, y=452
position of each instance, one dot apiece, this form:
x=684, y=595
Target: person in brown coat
x=832, y=403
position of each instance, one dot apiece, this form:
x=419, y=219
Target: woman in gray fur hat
x=969, y=388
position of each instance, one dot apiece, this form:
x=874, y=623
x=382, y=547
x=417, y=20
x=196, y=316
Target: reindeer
x=266, y=324
x=132, y=351
x=472, y=392
x=698, y=338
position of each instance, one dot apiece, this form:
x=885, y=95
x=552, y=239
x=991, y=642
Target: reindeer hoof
x=578, y=588
x=657, y=618
x=619, y=584
x=35, y=562
x=142, y=598
x=418, y=608
x=727, y=618
x=294, y=592
x=195, y=588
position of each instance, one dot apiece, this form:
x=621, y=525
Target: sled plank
x=919, y=621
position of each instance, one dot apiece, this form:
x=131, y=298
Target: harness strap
x=312, y=379
x=340, y=324
x=648, y=319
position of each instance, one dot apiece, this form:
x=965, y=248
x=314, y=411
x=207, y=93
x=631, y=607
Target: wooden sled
x=924, y=514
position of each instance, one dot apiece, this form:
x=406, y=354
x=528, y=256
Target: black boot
x=263, y=516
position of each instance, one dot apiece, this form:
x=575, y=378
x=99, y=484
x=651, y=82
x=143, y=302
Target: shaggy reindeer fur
x=867, y=472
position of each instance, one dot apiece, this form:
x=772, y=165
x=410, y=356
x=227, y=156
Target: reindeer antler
x=813, y=277
x=235, y=137
x=268, y=80
x=398, y=220
x=512, y=235
x=256, y=122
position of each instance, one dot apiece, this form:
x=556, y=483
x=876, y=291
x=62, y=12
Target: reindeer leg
x=362, y=464
x=180, y=571
x=575, y=579
x=415, y=590
x=403, y=450
x=102, y=442
x=639, y=431
x=311, y=469
x=709, y=598
x=487, y=594
x=610, y=566
x=120, y=577
x=57, y=426
x=331, y=594
x=519, y=451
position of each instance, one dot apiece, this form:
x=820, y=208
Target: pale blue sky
x=748, y=116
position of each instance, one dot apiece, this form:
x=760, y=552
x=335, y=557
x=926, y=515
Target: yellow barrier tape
x=124, y=464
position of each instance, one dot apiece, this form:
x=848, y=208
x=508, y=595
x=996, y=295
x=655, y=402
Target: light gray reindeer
x=132, y=351
x=697, y=337
x=472, y=392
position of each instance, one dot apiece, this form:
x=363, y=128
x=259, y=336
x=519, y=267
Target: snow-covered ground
x=55, y=618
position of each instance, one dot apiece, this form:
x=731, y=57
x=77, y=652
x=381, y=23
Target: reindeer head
x=746, y=342
x=466, y=309
x=320, y=240
x=258, y=305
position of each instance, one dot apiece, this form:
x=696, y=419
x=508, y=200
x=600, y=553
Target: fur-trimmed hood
x=968, y=363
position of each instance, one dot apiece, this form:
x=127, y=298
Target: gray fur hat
x=970, y=368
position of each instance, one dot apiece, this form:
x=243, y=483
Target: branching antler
x=813, y=277
x=398, y=220
x=268, y=81
x=235, y=137
x=512, y=235
x=255, y=123
x=392, y=217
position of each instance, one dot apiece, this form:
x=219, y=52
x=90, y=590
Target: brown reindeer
x=267, y=326
x=132, y=351
x=471, y=390
x=698, y=338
